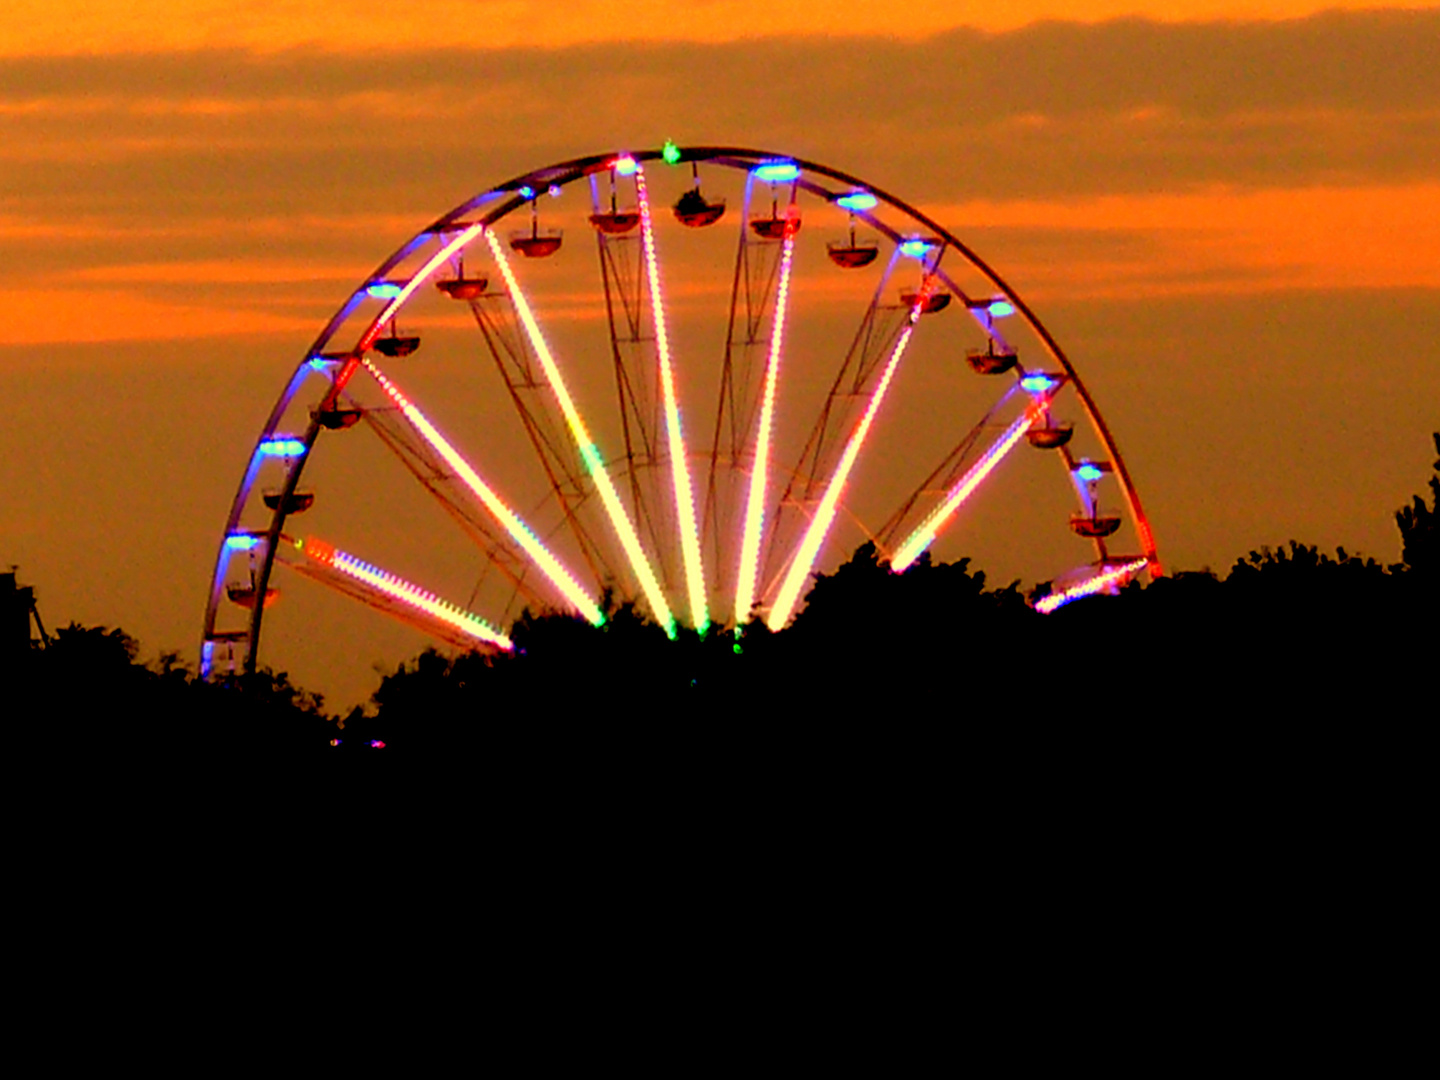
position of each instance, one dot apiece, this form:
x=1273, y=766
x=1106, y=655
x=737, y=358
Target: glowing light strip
x=418, y=279
x=679, y=461
x=548, y=564
x=1089, y=587
x=281, y=446
x=825, y=514
x=930, y=528
x=399, y=589
x=589, y=452
x=755, y=503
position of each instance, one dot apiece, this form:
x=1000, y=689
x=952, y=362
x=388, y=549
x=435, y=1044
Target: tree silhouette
x=1419, y=532
x=880, y=671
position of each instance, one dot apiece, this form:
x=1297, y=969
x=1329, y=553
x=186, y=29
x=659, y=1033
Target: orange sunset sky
x=1229, y=213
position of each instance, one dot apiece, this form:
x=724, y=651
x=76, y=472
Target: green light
x=671, y=153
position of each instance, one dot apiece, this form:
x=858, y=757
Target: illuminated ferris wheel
x=699, y=433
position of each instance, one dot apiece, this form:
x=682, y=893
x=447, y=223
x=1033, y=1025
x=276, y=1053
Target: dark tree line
x=1290, y=636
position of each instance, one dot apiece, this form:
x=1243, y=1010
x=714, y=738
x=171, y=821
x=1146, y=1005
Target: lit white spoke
x=397, y=295
x=1107, y=578
x=820, y=524
x=589, y=452
x=930, y=528
x=754, y=526
x=679, y=461
x=549, y=565
x=397, y=588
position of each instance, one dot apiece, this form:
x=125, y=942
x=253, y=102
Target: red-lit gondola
x=461, y=287
x=246, y=595
x=337, y=419
x=616, y=222
x=693, y=210
x=989, y=362
x=395, y=345
x=852, y=256
x=936, y=301
x=535, y=244
x=1093, y=526
x=1050, y=436
x=298, y=503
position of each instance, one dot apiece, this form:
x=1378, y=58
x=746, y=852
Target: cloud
x=1125, y=105
x=321, y=26
x=183, y=160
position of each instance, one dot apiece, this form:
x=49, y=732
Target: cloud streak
x=183, y=160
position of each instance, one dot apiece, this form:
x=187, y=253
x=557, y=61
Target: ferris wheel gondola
x=626, y=499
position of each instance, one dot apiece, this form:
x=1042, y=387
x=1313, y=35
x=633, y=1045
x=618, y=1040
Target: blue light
x=1000, y=308
x=383, y=290
x=281, y=446
x=526, y=192
x=1088, y=472
x=241, y=542
x=776, y=172
x=626, y=165
x=858, y=200
x=915, y=249
x=1037, y=383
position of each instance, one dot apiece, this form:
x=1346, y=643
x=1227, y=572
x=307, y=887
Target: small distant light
x=526, y=192
x=915, y=249
x=335, y=742
x=240, y=542
x=776, y=172
x=858, y=200
x=1037, y=383
x=626, y=165
x=377, y=744
x=1088, y=472
x=554, y=191
x=282, y=447
x=671, y=153
x=319, y=363
x=383, y=290
x=1000, y=308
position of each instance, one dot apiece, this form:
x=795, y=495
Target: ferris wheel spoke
x=754, y=285
x=388, y=592
x=754, y=526
x=548, y=442
x=621, y=274
x=679, y=459
x=819, y=526
x=589, y=452
x=522, y=534
x=874, y=337
x=1111, y=574
x=940, y=478
x=924, y=535
x=432, y=473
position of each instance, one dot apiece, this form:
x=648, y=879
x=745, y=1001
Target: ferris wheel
x=527, y=406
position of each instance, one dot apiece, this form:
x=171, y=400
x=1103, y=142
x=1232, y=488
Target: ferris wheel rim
x=509, y=197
